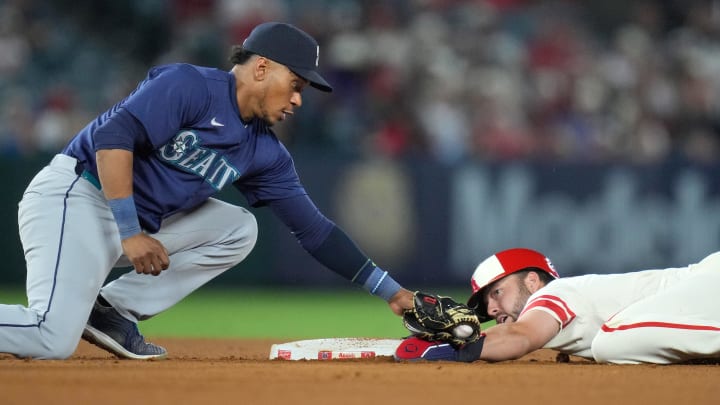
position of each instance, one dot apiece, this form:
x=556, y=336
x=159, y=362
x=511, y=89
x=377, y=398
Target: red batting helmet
x=503, y=264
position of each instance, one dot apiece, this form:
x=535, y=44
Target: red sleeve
x=553, y=305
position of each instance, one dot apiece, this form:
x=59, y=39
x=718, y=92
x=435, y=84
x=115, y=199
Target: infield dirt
x=239, y=372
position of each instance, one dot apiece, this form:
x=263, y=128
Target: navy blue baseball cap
x=291, y=46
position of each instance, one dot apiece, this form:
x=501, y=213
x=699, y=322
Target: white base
x=334, y=349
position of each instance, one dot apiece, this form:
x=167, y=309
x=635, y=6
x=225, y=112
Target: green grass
x=276, y=314
x=265, y=313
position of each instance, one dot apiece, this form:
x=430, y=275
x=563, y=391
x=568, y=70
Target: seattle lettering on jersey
x=184, y=151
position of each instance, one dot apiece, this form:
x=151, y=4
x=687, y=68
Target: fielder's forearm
x=339, y=253
x=332, y=247
x=115, y=172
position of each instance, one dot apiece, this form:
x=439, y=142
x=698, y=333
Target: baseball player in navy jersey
x=652, y=316
x=133, y=188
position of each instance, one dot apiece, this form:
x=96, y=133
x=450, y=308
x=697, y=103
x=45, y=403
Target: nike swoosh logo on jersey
x=215, y=123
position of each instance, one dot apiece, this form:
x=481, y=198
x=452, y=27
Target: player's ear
x=533, y=282
x=260, y=71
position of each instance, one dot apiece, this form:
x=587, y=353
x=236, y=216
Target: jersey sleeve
x=170, y=98
x=558, y=303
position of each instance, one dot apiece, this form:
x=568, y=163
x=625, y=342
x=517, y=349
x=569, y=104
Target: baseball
x=463, y=331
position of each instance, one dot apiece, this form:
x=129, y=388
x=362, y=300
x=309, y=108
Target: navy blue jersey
x=192, y=144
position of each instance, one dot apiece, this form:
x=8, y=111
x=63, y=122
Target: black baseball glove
x=435, y=318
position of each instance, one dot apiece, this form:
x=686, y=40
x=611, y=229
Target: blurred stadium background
x=586, y=129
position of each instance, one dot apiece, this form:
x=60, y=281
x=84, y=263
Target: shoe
x=107, y=329
x=414, y=349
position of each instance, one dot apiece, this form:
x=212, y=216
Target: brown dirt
x=238, y=372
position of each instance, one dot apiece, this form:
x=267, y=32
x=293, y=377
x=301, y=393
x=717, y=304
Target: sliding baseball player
x=652, y=316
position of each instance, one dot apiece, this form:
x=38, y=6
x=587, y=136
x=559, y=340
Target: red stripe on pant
x=606, y=328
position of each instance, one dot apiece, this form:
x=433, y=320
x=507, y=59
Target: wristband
x=381, y=284
x=471, y=351
x=125, y=213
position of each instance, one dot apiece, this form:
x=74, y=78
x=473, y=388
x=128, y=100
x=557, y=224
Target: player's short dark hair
x=239, y=55
x=545, y=277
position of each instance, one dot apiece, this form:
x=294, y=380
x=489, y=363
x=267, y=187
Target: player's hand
x=146, y=253
x=438, y=318
x=401, y=301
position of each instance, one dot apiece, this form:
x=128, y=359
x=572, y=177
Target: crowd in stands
x=447, y=80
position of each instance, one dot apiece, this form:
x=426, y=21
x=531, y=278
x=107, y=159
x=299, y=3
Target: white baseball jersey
x=651, y=316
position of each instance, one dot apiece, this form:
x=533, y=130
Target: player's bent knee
x=252, y=230
x=60, y=355
x=248, y=230
x=244, y=235
x=65, y=350
x=55, y=352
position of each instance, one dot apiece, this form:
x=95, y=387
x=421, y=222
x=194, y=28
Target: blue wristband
x=125, y=213
x=381, y=284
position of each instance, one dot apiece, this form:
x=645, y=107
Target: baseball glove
x=437, y=318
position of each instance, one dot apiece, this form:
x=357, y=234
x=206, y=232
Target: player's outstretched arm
x=332, y=247
x=509, y=341
x=506, y=341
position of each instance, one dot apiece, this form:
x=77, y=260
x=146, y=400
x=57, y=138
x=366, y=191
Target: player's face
x=282, y=94
x=506, y=298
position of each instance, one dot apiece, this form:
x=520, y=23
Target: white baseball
x=462, y=331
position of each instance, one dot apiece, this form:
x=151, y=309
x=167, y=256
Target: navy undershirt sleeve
x=339, y=253
x=320, y=237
